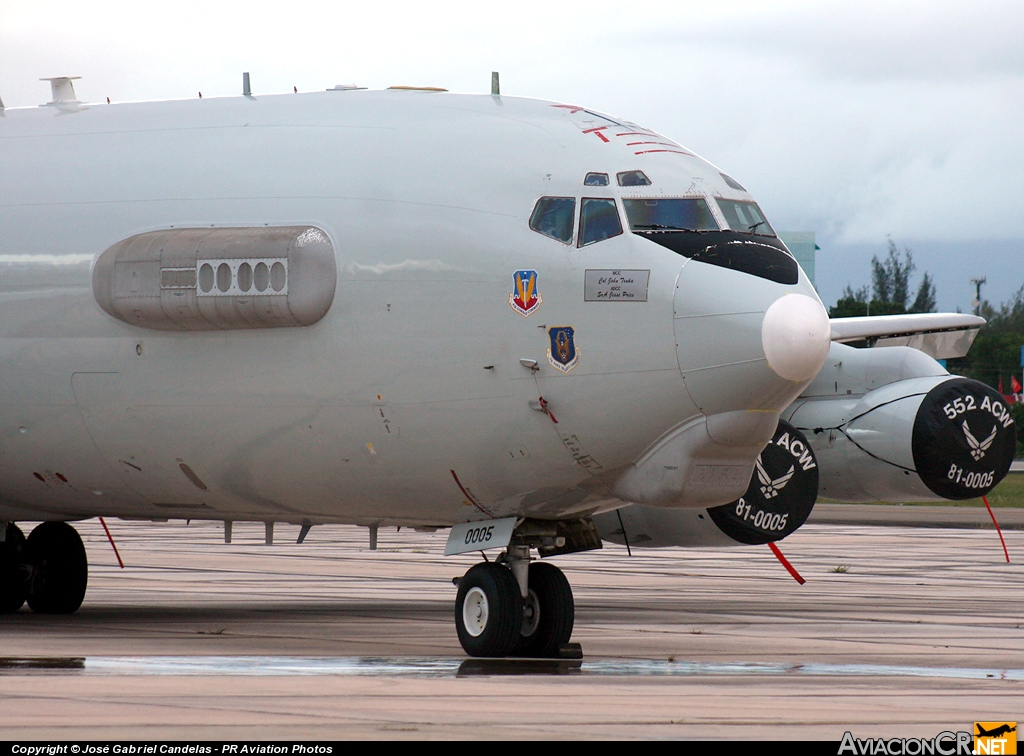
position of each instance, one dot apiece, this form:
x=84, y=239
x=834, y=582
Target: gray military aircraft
x=531, y=323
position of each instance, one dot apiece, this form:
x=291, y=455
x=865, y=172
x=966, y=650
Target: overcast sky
x=856, y=120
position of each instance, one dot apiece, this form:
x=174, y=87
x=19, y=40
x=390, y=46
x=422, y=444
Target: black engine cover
x=781, y=494
x=964, y=439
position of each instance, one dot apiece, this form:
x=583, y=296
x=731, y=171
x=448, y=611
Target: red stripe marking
x=111, y=539
x=570, y=108
x=785, y=563
x=638, y=133
x=467, y=494
x=596, y=128
x=601, y=136
x=665, y=144
x=998, y=530
x=647, y=152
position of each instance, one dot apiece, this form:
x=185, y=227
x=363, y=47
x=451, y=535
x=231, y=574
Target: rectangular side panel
x=483, y=534
x=615, y=285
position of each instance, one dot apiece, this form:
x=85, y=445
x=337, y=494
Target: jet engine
x=879, y=424
x=890, y=424
x=781, y=494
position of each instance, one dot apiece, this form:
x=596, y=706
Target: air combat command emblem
x=525, y=298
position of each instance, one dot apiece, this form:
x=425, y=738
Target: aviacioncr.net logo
x=995, y=738
x=944, y=744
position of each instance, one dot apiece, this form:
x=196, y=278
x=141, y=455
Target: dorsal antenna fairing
x=62, y=90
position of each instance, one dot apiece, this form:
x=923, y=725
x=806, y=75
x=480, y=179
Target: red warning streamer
x=468, y=495
x=545, y=409
x=785, y=563
x=998, y=530
x=111, y=539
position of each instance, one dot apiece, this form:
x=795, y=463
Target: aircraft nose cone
x=796, y=334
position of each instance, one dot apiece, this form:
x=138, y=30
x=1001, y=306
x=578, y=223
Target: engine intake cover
x=781, y=494
x=964, y=439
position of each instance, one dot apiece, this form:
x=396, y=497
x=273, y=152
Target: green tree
x=852, y=304
x=995, y=355
x=925, y=299
x=890, y=289
x=890, y=280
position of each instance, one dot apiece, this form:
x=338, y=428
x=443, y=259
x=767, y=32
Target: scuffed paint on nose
x=796, y=334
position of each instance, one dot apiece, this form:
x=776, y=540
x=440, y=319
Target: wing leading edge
x=940, y=335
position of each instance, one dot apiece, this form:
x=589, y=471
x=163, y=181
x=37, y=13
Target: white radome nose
x=796, y=335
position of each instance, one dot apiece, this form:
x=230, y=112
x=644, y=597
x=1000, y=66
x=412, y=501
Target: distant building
x=801, y=244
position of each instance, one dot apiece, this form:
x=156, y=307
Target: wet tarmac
x=371, y=666
x=898, y=632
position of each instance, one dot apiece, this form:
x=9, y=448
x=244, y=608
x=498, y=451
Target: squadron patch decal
x=525, y=298
x=563, y=354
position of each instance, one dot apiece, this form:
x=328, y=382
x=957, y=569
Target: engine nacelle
x=890, y=424
x=778, y=500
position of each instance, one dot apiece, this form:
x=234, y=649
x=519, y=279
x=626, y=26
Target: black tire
x=489, y=624
x=552, y=597
x=13, y=585
x=60, y=569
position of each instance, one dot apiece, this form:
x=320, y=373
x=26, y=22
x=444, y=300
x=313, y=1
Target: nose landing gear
x=488, y=610
x=13, y=580
x=551, y=613
x=49, y=569
x=496, y=615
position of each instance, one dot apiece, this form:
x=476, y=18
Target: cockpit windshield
x=745, y=217
x=669, y=215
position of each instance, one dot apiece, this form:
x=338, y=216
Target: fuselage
x=425, y=395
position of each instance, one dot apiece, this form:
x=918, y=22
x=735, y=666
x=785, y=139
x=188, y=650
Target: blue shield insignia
x=563, y=354
x=525, y=298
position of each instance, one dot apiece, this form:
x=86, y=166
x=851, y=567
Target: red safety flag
x=1008, y=398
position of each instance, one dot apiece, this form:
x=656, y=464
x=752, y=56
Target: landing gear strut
x=49, y=569
x=512, y=607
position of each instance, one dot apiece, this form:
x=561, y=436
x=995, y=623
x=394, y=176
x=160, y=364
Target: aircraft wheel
x=13, y=587
x=549, y=612
x=488, y=610
x=60, y=569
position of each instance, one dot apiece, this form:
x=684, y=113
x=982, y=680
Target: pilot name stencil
x=615, y=285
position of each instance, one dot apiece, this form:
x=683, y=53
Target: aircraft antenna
x=246, y=89
x=495, y=86
x=62, y=90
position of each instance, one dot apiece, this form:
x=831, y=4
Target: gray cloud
x=952, y=41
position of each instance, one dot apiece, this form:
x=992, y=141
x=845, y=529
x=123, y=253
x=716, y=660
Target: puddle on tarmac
x=391, y=666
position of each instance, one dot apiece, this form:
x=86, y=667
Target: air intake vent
x=206, y=279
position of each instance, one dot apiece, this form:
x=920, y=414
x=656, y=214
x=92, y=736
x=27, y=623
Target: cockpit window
x=596, y=179
x=669, y=215
x=633, y=178
x=732, y=183
x=599, y=220
x=745, y=217
x=554, y=216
